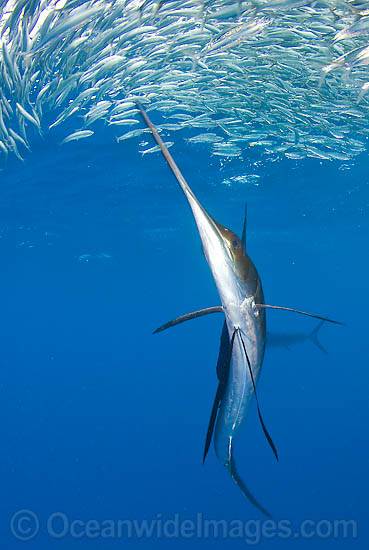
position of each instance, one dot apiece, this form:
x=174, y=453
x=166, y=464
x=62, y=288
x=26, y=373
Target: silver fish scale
x=288, y=76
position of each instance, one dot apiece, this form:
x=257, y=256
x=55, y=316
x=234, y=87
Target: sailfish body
x=239, y=289
x=243, y=337
x=239, y=387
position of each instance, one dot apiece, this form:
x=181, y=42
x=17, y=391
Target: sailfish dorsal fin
x=243, y=238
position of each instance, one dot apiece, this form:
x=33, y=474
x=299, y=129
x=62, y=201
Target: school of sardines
x=287, y=76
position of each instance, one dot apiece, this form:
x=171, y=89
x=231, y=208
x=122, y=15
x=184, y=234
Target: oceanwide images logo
x=25, y=525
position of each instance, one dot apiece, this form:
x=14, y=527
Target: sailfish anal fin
x=223, y=366
x=213, y=416
x=225, y=342
x=231, y=465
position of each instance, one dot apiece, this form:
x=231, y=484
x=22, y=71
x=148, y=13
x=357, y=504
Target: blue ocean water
x=104, y=422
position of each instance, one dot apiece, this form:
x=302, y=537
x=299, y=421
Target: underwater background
x=102, y=429
x=101, y=420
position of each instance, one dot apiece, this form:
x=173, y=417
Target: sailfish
x=243, y=336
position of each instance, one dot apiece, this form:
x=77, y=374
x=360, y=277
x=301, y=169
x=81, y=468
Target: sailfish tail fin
x=240, y=483
x=315, y=339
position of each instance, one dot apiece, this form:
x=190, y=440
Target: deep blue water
x=100, y=420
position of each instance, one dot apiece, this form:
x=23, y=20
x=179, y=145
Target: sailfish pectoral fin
x=241, y=485
x=266, y=433
x=226, y=347
x=188, y=317
x=267, y=306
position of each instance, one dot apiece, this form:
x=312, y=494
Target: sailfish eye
x=235, y=243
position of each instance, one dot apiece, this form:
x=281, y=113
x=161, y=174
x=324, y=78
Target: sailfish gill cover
x=264, y=102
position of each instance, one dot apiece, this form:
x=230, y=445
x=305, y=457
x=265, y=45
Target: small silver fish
x=80, y=134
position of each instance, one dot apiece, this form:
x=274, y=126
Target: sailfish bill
x=243, y=336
